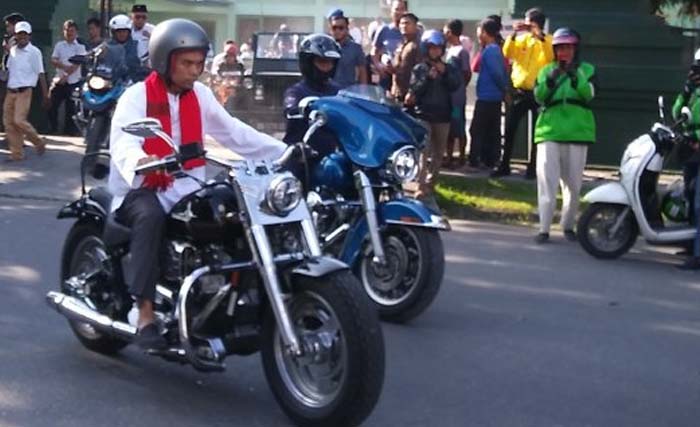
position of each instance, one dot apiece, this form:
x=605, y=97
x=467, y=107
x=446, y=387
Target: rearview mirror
x=145, y=128
x=299, y=113
x=77, y=59
x=662, y=110
x=686, y=114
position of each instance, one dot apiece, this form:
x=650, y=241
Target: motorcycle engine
x=181, y=258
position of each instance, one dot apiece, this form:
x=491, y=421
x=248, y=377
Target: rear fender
x=83, y=208
x=612, y=192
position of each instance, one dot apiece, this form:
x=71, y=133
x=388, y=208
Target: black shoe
x=501, y=171
x=692, y=263
x=542, y=238
x=149, y=338
x=570, y=235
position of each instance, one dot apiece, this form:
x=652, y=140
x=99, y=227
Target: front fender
x=411, y=212
x=612, y=192
x=403, y=212
x=70, y=210
x=319, y=266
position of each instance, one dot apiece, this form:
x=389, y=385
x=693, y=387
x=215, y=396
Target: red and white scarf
x=158, y=107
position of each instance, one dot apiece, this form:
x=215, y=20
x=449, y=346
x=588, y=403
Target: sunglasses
x=140, y=16
x=339, y=27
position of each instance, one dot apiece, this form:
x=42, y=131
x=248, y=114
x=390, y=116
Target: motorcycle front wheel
x=83, y=253
x=338, y=378
x=603, y=233
x=408, y=283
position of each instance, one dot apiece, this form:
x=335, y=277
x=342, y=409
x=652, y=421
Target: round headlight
x=403, y=164
x=98, y=83
x=283, y=194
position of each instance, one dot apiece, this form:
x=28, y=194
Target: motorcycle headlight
x=403, y=164
x=283, y=195
x=99, y=83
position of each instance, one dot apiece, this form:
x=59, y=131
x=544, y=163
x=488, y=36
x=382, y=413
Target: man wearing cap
x=26, y=67
x=8, y=40
x=67, y=77
x=141, y=29
x=351, y=65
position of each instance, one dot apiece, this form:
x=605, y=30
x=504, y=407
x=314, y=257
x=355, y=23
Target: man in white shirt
x=68, y=77
x=178, y=51
x=25, y=66
x=141, y=29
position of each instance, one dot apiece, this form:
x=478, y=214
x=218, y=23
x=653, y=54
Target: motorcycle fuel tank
x=207, y=215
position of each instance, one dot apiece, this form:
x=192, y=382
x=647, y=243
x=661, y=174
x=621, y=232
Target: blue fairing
x=406, y=211
x=369, y=132
x=335, y=171
x=95, y=102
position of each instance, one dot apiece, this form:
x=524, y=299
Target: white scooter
x=619, y=211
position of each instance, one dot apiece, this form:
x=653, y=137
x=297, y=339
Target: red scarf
x=158, y=107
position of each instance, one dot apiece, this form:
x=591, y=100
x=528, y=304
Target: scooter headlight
x=403, y=164
x=99, y=83
x=283, y=195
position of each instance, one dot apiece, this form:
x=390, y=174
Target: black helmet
x=172, y=35
x=321, y=46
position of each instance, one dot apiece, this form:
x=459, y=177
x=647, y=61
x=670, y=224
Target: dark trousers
x=523, y=101
x=61, y=93
x=142, y=212
x=485, y=132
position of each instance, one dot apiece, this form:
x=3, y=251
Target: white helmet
x=697, y=54
x=120, y=22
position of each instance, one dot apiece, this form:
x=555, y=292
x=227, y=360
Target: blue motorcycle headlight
x=99, y=83
x=403, y=164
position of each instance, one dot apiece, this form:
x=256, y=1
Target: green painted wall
x=638, y=58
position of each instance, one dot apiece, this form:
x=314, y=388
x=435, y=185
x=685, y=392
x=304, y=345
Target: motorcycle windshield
x=369, y=125
x=111, y=61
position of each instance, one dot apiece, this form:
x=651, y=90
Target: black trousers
x=60, y=94
x=485, y=132
x=143, y=213
x=523, y=101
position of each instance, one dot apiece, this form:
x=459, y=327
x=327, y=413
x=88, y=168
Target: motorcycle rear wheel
x=594, y=226
x=83, y=252
x=338, y=380
x=408, y=284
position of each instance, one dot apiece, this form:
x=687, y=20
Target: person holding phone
x=565, y=129
x=528, y=49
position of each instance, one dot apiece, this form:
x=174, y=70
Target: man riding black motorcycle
x=318, y=59
x=126, y=49
x=177, y=51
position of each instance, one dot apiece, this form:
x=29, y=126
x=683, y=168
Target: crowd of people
x=527, y=73
x=22, y=69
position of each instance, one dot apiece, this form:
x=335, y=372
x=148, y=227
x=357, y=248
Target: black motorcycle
x=242, y=271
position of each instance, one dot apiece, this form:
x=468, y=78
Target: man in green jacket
x=689, y=155
x=565, y=128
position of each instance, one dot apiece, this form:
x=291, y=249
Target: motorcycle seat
x=114, y=233
x=103, y=198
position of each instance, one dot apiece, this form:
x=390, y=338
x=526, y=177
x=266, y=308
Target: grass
x=488, y=199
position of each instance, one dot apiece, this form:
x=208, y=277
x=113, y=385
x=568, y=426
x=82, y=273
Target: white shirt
x=24, y=66
x=62, y=52
x=142, y=37
x=228, y=131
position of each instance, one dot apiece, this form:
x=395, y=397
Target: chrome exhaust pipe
x=74, y=309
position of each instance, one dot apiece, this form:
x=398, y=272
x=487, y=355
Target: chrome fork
x=370, y=208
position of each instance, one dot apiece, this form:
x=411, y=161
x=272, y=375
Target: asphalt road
x=520, y=335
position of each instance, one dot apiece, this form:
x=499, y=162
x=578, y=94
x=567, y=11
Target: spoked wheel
x=409, y=281
x=604, y=233
x=84, y=256
x=338, y=378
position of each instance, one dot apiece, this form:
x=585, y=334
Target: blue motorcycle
x=355, y=192
x=105, y=82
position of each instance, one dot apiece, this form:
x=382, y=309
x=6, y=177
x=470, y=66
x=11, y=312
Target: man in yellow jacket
x=528, y=49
